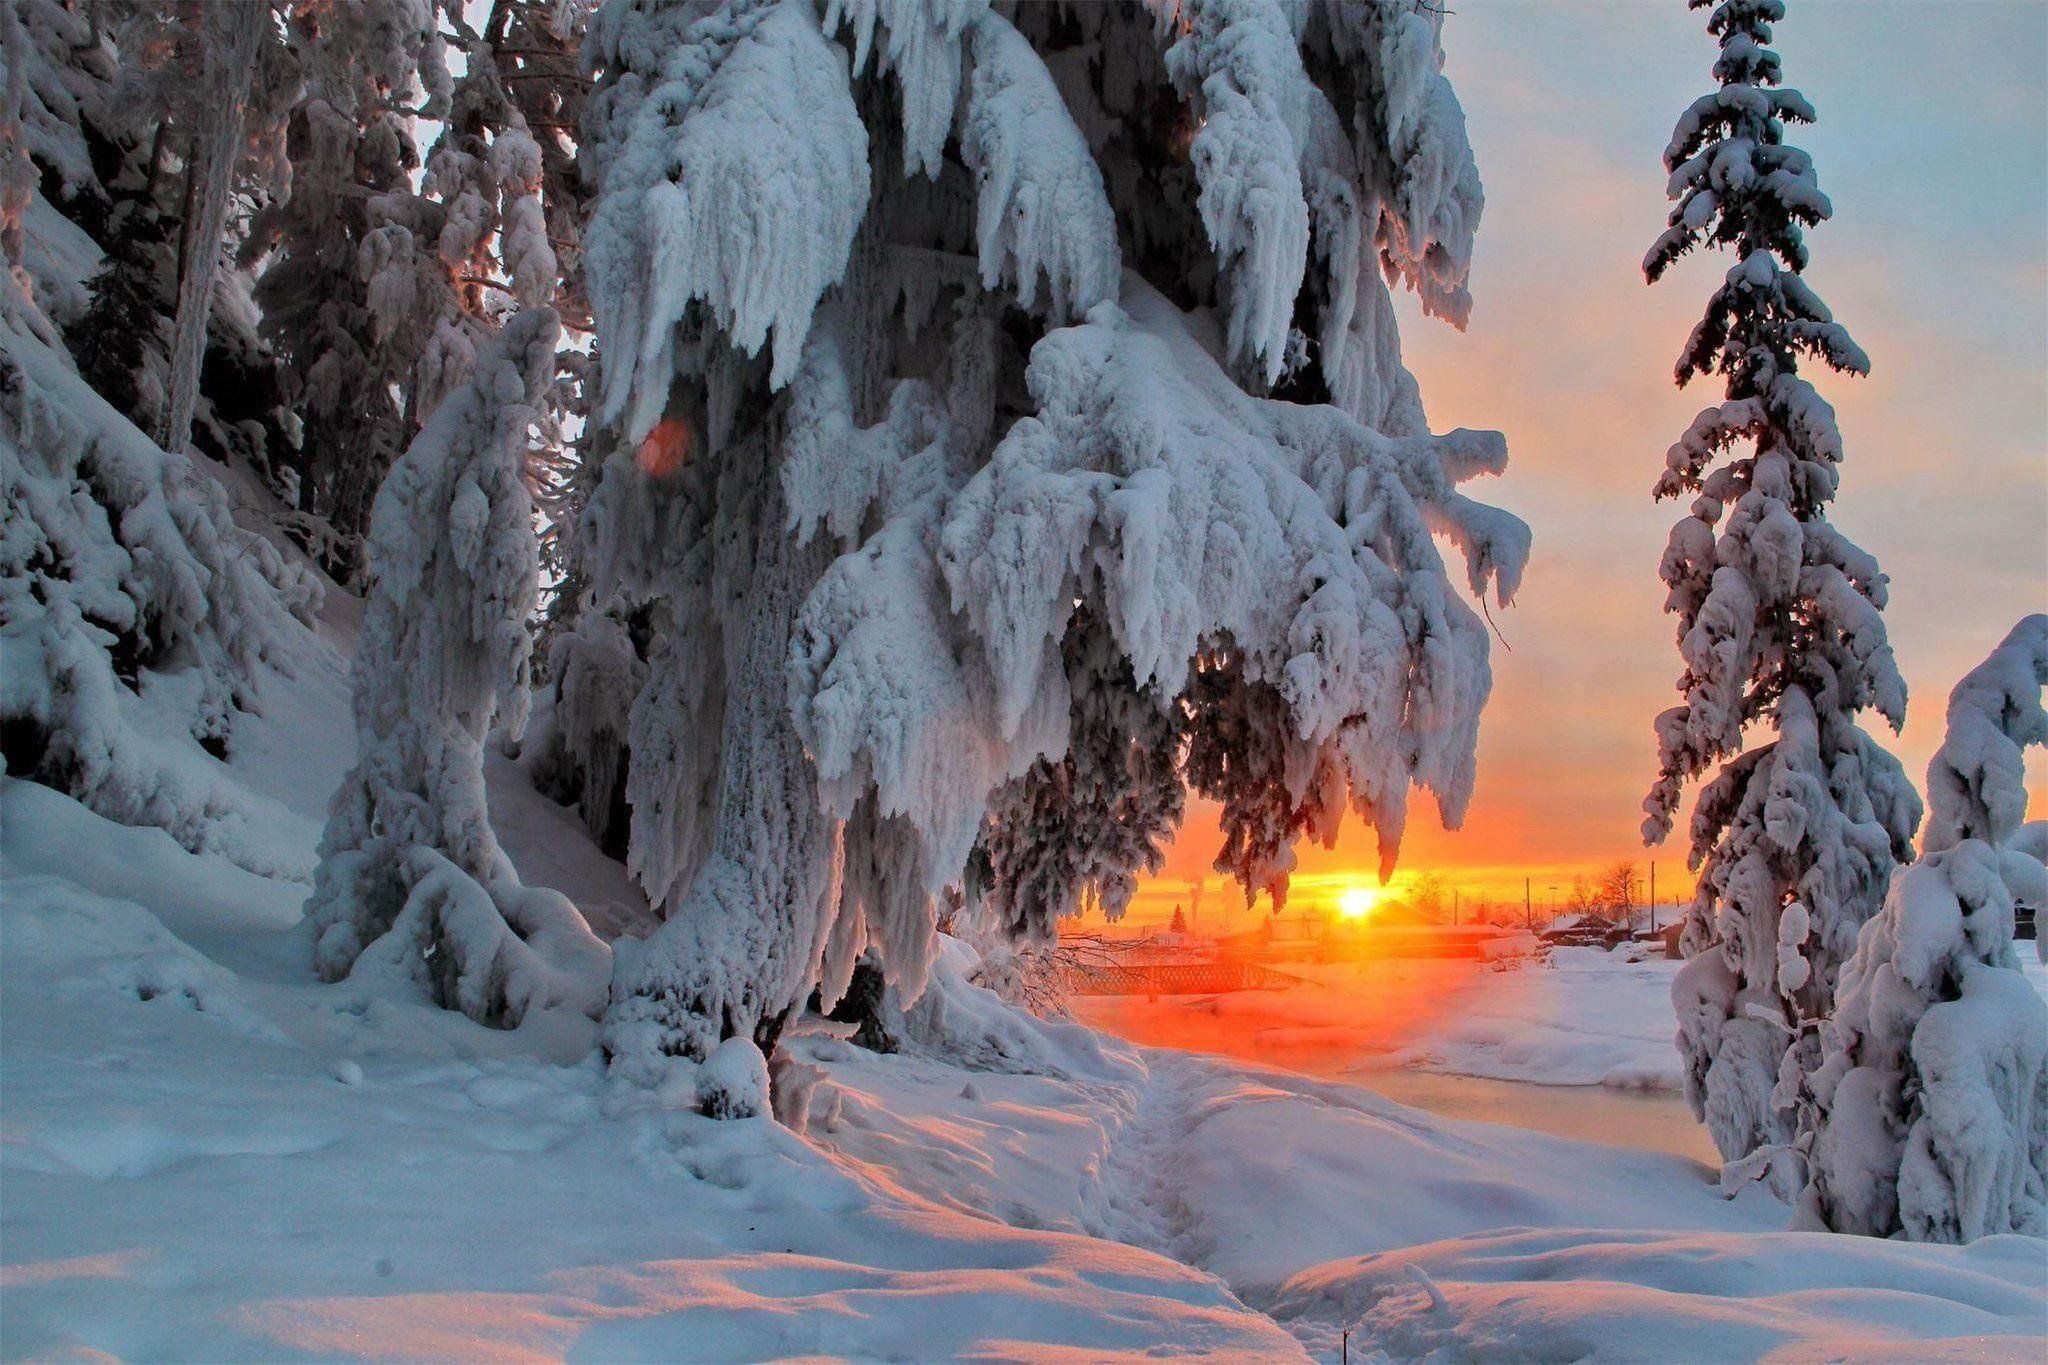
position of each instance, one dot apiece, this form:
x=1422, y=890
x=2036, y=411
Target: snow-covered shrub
x=733, y=1081
x=411, y=880
x=1779, y=621
x=129, y=602
x=1931, y=1105
x=1012, y=431
x=962, y=1018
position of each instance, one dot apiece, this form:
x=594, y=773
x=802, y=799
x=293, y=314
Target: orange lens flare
x=666, y=448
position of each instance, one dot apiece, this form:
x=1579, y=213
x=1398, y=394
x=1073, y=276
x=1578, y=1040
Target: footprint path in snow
x=1137, y=1183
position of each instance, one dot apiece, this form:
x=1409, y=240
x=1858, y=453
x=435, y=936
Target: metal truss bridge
x=1176, y=978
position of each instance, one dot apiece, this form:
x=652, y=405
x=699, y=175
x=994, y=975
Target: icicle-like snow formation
x=1005, y=541
x=746, y=164
x=1931, y=1106
x=920, y=42
x=1779, y=624
x=1039, y=188
x=123, y=578
x=412, y=885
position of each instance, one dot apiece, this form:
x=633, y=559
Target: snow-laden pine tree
x=383, y=271
x=113, y=98
x=1931, y=1103
x=412, y=884
x=367, y=71
x=1778, y=621
x=1011, y=429
x=131, y=607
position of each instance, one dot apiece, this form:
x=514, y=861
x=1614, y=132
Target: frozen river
x=1580, y=1048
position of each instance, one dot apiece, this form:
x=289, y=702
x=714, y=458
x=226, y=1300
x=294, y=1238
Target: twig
x=1488, y=613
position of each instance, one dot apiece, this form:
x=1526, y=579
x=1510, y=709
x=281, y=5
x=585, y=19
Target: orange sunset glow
x=1946, y=468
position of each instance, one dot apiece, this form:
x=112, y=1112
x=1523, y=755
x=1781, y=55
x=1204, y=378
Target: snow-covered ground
x=206, y=1155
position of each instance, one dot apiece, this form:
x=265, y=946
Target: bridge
x=1176, y=978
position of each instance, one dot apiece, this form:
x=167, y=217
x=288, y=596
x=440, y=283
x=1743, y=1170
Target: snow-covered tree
x=384, y=270
x=367, y=69
x=115, y=95
x=129, y=601
x=1779, y=626
x=412, y=884
x=1931, y=1105
x=1011, y=426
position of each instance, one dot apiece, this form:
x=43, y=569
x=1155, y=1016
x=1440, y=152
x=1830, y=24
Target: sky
x=1932, y=142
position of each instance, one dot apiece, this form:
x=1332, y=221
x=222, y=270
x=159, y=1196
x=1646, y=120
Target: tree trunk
x=231, y=35
x=738, y=953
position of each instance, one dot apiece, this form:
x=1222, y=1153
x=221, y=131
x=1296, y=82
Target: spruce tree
x=1779, y=625
x=127, y=319
x=1009, y=430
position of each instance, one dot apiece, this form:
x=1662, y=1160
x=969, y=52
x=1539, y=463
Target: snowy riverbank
x=208, y=1155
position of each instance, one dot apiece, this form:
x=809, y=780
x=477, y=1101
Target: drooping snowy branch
x=1237, y=59
x=1041, y=207
x=753, y=161
x=919, y=41
x=1976, y=785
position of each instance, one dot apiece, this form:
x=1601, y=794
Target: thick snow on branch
x=1409, y=132
x=1977, y=783
x=740, y=186
x=1041, y=205
x=1238, y=58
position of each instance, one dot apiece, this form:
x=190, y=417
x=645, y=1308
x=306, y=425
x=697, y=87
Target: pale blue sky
x=1933, y=144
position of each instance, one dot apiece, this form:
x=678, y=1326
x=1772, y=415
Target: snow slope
x=204, y=1154
x=212, y=1163
x=1585, y=1295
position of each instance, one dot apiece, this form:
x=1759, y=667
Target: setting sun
x=1356, y=902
